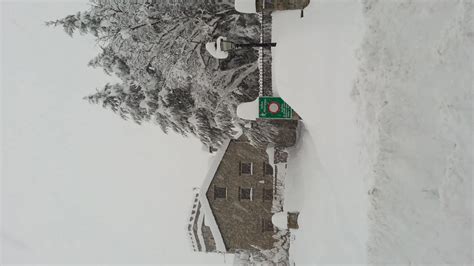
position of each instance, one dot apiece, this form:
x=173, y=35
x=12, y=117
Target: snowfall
x=382, y=172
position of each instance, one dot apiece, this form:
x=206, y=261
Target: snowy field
x=415, y=97
x=314, y=69
x=383, y=170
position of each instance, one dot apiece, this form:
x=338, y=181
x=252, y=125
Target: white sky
x=79, y=184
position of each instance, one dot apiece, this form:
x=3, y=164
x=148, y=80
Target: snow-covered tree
x=110, y=62
x=124, y=101
x=84, y=22
x=157, y=49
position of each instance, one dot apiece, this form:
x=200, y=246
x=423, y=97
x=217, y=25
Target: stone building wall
x=243, y=223
x=208, y=239
x=287, y=131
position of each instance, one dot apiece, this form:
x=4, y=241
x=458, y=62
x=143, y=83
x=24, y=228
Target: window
x=245, y=193
x=220, y=192
x=246, y=168
x=267, y=194
x=267, y=169
x=267, y=225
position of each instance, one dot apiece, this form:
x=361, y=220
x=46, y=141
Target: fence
x=265, y=55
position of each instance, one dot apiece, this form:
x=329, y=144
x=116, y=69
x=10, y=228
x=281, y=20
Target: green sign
x=274, y=108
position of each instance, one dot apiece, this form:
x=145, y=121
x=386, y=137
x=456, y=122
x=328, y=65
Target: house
x=233, y=208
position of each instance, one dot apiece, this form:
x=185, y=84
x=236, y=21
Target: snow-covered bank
x=415, y=98
x=315, y=66
x=325, y=235
x=383, y=170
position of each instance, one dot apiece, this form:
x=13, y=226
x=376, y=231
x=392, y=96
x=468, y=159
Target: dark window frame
x=250, y=190
x=241, y=167
x=216, y=195
x=267, y=166
x=267, y=225
x=265, y=194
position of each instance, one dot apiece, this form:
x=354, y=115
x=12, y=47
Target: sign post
x=274, y=108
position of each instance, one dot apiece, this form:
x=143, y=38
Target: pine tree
x=168, y=78
x=84, y=22
x=126, y=102
x=110, y=62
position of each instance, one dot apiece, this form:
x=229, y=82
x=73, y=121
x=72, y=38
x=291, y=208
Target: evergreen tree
x=168, y=78
x=110, y=62
x=124, y=101
x=84, y=22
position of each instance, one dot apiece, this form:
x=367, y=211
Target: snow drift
x=314, y=69
x=414, y=93
x=383, y=170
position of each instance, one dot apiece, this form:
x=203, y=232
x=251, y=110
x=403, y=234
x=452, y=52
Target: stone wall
x=287, y=132
x=266, y=55
x=241, y=221
x=208, y=238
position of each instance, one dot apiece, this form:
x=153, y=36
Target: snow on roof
x=206, y=207
x=280, y=220
x=271, y=154
x=248, y=110
x=245, y=6
x=238, y=132
x=190, y=225
x=199, y=232
x=215, y=50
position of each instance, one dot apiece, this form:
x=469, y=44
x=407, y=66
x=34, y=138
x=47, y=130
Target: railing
x=192, y=218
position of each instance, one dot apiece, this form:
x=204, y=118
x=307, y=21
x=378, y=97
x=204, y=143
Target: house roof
x=245, y=6
x=248, y=110
x=205, y=206
x=214, y=48
x=191, y=220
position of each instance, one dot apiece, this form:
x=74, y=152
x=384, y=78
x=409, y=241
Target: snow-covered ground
x=383, y=169
x=415, y=97
x=314, y=69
